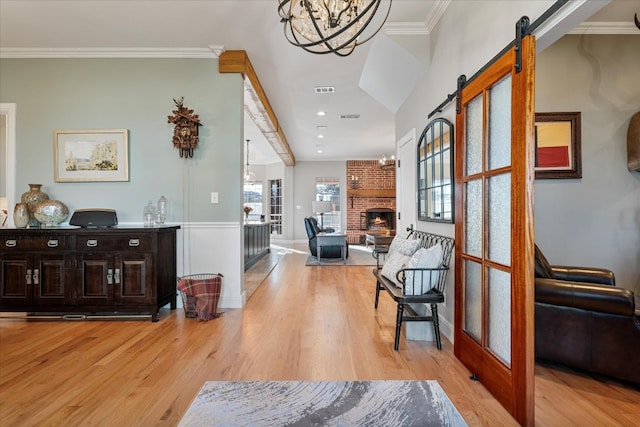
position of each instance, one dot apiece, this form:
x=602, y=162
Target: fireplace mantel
x=386, y=192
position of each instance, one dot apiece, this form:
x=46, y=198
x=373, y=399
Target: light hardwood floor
x=302, y=323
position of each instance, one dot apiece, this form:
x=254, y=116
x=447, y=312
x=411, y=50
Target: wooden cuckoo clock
x=185, y=133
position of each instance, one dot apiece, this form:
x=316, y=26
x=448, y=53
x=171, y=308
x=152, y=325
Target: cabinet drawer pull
x=52, y=243
x=134, y=242
x=10, y=243
x=92, y=243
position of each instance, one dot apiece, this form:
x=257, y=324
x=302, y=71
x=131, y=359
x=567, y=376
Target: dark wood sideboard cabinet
x=88, y=271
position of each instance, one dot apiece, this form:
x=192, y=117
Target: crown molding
x=606, y=28
x=417, y=28
x=405, y=29
x=437, y=13
x=212, y=51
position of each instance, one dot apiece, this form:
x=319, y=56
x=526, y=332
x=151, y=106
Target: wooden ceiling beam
x=256, y=102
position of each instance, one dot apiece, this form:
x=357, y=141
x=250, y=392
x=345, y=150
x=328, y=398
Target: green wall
x=136, y=94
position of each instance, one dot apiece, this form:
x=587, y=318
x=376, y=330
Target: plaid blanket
x=207, y=295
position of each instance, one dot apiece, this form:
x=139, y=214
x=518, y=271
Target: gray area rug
x=322, y=403
x=358, y=255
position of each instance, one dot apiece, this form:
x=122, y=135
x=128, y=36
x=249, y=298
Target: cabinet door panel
x=15, y=287
x=135, y=278
x=95, y=280
x=50, y=280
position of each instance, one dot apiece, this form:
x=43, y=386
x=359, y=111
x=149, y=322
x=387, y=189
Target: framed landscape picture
x=91, y=155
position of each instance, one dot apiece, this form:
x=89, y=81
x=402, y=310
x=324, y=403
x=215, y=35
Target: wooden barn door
x=494, y=229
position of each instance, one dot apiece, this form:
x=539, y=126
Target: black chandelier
x=329, y=26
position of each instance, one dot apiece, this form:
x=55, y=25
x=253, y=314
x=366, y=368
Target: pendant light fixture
x=331, y=26
x=386, y=163
x=249, y=176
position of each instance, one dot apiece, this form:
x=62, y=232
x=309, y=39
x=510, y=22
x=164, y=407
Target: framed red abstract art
x=557, y=138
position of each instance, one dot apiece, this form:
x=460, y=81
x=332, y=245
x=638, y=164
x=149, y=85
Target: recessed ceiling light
x=320, y=136
x=319, y=148
x=322, y=113
x=325, y=89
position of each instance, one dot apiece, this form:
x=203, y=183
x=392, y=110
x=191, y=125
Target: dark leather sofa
x=311, y=225
x=582, y=320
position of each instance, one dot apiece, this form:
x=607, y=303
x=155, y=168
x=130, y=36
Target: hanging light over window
x=330, y=26
x=386, y=163
x=249, y=176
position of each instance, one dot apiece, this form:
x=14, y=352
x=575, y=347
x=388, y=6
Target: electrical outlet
x=214, y=197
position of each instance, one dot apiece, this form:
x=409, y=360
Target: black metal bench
x=420, y=280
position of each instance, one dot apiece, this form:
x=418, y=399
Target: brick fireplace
x=371, y=199
x=378, y=219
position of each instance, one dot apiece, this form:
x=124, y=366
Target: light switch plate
x=214, y=197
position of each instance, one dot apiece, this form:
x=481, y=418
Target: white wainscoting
x=214, y=247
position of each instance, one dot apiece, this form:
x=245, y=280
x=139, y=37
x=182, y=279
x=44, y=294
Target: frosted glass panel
x=499, y=201
x=473, y=218
x=473, y=144
x=500, y=124
x=473, y=299
x=499, y=328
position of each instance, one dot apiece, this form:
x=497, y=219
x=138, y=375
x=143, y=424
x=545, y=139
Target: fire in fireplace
x=378, y=219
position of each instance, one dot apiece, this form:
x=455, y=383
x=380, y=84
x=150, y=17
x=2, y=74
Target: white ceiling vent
x=325, y=89
x=349, y=116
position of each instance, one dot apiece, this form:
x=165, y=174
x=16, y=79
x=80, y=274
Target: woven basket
x=188, y=301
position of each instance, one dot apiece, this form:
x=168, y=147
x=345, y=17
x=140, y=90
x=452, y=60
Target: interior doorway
x=8, y=159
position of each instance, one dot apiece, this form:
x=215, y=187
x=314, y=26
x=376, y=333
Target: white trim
x=212, y=52
x=9, y=109
x=570, y=16
x=418, y=28
x=405, y=29
x=606, y=28
x=219, y=225
x=436, y=14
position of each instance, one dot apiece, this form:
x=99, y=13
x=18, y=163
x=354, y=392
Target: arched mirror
x=435, y=172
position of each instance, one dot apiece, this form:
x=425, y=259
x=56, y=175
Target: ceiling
x=288, y=74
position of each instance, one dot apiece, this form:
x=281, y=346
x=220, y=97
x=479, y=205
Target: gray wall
x=593, y=221
x=304, y=191
x=461, y=43
x=136, y=94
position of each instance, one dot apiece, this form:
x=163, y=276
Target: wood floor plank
x=301, y=323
